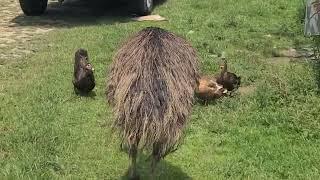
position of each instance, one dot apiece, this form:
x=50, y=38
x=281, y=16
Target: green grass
x=271, y=133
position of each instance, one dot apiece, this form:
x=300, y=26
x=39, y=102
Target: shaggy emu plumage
x=151, y=86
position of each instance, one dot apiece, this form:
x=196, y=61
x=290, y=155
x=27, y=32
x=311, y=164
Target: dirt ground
x=18, y=32
x=15, y=36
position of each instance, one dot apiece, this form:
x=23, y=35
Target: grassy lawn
x=271, y=132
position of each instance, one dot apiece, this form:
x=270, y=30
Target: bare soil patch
x=15, y=39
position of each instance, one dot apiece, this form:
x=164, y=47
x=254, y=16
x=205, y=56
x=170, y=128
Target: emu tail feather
x=151, y=87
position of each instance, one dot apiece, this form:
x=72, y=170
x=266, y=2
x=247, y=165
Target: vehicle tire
x=144, y=7
x=33, y=7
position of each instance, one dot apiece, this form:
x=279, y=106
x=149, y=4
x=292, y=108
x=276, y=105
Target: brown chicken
x=215, y=86
x=209, y=89
x=230, y=81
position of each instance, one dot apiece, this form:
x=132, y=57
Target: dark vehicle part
x=33, y=7
x=38, y=7
x=144, y=7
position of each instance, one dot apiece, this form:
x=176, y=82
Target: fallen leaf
x=149, y=18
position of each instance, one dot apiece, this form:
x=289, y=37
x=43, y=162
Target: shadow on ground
x=91, y=94
x=164, y=170
x=75, y=13
x=316, y=68
x=80, y=13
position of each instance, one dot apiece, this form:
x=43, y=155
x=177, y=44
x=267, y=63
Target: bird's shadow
x=164, y=170
x=91, y=94
x=206, y=102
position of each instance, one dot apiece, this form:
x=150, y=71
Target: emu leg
x=154, y=163
x=132, y=174
x=155, y=159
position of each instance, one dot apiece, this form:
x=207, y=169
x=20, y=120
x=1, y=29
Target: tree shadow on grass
x=164, y=170
x=80, y=13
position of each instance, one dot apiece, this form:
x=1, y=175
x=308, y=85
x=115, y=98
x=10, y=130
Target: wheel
x=33, y=7
x=144, y=7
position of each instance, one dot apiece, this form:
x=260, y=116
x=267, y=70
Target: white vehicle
x=38, y=7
